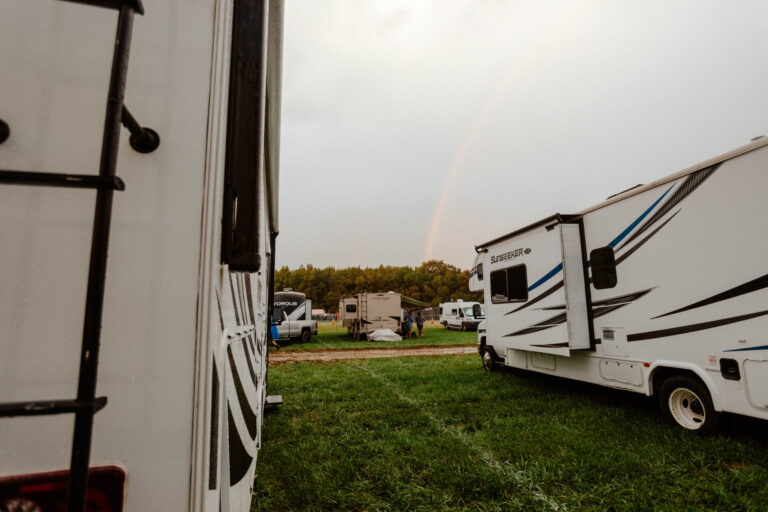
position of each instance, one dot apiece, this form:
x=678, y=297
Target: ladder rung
x=50, y=407
x=112, y=4
x=49, y=179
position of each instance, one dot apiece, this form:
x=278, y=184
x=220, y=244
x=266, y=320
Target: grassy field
x=335, y=337
x=438, y=433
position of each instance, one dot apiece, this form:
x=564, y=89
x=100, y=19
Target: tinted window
x=509, y=285
x=517, y=283
x=480, y=271
x=351, y=308
x=603, y=267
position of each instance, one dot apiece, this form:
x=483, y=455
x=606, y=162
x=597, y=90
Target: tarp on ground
x=384, y=335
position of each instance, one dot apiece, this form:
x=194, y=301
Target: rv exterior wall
x=690, y=294
x=178, y=328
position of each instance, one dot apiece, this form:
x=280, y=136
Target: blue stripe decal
x=549, y=275
x=761, y=347
x=546, y=277
x=638, y=220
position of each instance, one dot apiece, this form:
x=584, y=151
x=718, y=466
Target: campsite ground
x=332, y=337
x=439, y=433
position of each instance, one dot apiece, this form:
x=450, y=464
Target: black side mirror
x=477, y=311
x=603, y=267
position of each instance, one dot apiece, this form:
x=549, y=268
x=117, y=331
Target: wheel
x=686, y=402
x=463, y=327
x=445, y=324
x=306, y=336
x=488, y=362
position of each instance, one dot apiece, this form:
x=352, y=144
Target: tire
x=488, y=360
x=306, y=336
x=686, y=403
x=463, y=328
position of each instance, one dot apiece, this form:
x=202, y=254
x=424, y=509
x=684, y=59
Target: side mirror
x=603, y=267
x=477, y=311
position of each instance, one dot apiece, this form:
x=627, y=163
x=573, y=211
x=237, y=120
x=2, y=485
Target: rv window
x=453, y=312
x=603, y=267
x=479, y=271
x=351, y=308
x=509, y=285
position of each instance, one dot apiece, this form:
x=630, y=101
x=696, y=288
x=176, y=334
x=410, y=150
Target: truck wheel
x=488, y=363
x=686, y=402
x=306, y=336
x=463, y=327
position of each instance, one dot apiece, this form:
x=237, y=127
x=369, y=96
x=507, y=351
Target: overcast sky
x=417, y=129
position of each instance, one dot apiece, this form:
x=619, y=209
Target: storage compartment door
x=575, y=287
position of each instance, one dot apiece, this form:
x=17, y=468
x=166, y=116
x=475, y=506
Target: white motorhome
x=292, y=314
x=661, y=290
x=364, y=313
x=142, y=381
x=464, y=316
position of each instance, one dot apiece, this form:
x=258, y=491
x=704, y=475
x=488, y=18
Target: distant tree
x=433, y=281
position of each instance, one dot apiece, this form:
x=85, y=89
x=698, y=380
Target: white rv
x=464, y=316
x=292, y=314
x=661, y=290
x=149, y=370
x=364, y=313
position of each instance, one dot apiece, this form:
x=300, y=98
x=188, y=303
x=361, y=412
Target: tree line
x=433, y=282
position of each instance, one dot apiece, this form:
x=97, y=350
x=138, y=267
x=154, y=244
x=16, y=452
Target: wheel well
x=664, y=372
x=305, y=329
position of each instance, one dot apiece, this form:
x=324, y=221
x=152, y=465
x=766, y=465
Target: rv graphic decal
x=239, y=458
x=685, y=329
x=761, y=347
x=599, y=308
x=689, y=185
x=751, y=286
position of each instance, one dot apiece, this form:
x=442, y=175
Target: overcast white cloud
x=416, y=129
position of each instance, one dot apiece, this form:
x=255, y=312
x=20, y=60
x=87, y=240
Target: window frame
x=506, y=272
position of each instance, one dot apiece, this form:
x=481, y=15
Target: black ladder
x=144, y=140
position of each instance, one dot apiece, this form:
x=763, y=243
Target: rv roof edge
x=557, y=218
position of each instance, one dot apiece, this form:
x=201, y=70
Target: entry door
x=576, y=301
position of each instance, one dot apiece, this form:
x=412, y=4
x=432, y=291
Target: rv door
x=575, y=285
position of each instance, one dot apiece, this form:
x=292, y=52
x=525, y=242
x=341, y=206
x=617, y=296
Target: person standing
x=408, y=325
x=420, y=322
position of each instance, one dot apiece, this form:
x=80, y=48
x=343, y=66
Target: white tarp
x=384, y=335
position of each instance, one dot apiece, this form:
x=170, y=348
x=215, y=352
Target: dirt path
x=285, y=356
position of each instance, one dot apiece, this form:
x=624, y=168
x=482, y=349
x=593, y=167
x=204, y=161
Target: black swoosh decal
x=553, y=345
x=248, y=415
x=685, y=329
x=599, y=308
x=751, y=286
x=641, y=242
x=689, y=185
x=543, y=295
x=239, y=459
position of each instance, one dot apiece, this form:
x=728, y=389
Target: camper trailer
x=142, y=380
x=661, y=290
x=292, y=314
x=364, y=313
x=464, y=316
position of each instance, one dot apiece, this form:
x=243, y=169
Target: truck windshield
x=468, y=312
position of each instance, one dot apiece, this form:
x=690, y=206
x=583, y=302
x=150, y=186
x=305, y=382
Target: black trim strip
x=543, y=295
x=248, y=361
x=239, y=458
x=742, y=289
x=248, y=415
x=685, y=329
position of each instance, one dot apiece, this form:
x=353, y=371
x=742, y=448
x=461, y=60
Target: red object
x=647, y=365
x=44, y=492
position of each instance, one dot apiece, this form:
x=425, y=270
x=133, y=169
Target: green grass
x=438, y=433
x=334, y=337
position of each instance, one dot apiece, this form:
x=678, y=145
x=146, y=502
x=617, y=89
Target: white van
x=464, y=316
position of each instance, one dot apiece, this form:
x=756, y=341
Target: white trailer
x=292, y=314
x=364, y=313
x=175, y=327
x=464, y=316
x=660, y=290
